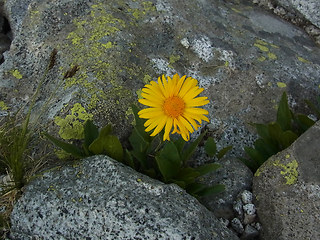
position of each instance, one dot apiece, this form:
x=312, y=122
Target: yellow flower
x=173, y=103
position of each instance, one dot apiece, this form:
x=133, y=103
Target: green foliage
x=276, y=136
x=167, y=161
x=95, y=142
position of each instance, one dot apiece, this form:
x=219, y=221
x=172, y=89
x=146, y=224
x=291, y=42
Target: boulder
x=287, y=190
x=244, y=58
x=100, y=198
x=309, y=9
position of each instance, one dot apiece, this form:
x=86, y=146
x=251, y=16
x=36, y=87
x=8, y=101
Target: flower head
x=173, y=103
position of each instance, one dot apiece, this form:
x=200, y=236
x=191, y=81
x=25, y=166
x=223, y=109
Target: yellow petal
x=153, y=92
x=167, y=129
x=151, y=98
x=149, y=103
x=188, y=84
x=196, y=102
x=192, y=93
x=185, y=123
x=151, y=115
x=196, y=111
x=160, y=126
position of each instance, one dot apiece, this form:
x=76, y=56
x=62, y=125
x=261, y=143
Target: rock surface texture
x=243, y=56
x=304, y=13
x=287, y=190
x=99, y=198
x=236, y=177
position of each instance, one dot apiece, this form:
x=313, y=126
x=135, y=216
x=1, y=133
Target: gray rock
x=309, y=9
x=287, y=189
x=237, y=225
x=246, y=197
x=100, y=198
x=243, y=57
x=249, y=233
x=249, y=218
x=249, y=209
x=236, y=177
x=238, y=208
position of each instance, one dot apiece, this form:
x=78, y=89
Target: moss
x=71, y=127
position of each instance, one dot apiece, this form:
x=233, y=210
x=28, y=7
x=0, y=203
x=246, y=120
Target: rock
x=249, y=209
x=308, y=9
x=244, y=58
x=236, y=177
x=287, y=188
x=237, y=225
x=249, y=233
x=100, y=198
x=246, y=197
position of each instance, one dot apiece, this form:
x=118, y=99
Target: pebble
x=249, y=232
x=237, y=225
x=246, y=197
x=250, y=209
x=238, y=208
x=249, y=219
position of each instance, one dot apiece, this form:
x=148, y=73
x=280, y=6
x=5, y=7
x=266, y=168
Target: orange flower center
x=173, y=106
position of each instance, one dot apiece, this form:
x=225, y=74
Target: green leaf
x=223, y=151
x=304, y=122
x=107, y=144
x=138, y=142
x=250, y=164
x=91, y=132
x=210, y=147
x=187, y=175
x=255, y=155
x=114, y=148
x=215, y=189
x=313, y=107
x=180, y=144
x=69, y=148
x=195, y=187
x=128, y=159
x=287, y=138
x=264, y=148
x=139, y=124
x=275, y=132
x=168, y=161
x=284, y=115
x=204, y=169
x=186, y=155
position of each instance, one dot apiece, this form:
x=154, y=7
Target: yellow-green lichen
x=146, y=7
x=71, y=127
x=261, y=58
x=3, y=106
x=301, y=59
x=261, y=47
x=281, y=84
x=289, y=172
x=147, y=78
x=265, y=47
x=16, y=74
x=272, y=56
x=173, y=59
